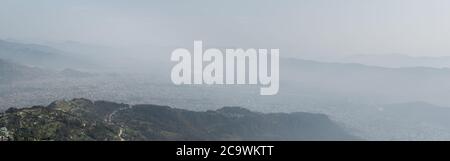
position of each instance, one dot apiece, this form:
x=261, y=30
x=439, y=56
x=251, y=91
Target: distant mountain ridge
x=82, y=119
x=396, y=60
x=14, y=72
x=37, y=55
x=10, y=72
x=380, y=84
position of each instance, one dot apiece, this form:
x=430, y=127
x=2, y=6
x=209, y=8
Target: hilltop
x=82, y=119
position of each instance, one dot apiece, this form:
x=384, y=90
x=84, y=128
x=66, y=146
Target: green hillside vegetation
x=85, y=120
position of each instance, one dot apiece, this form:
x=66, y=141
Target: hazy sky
x=413, y=27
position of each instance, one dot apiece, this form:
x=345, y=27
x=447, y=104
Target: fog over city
x=380, y=69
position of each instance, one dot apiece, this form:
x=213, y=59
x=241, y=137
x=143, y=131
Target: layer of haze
x=120, y=51
x=298, y=27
